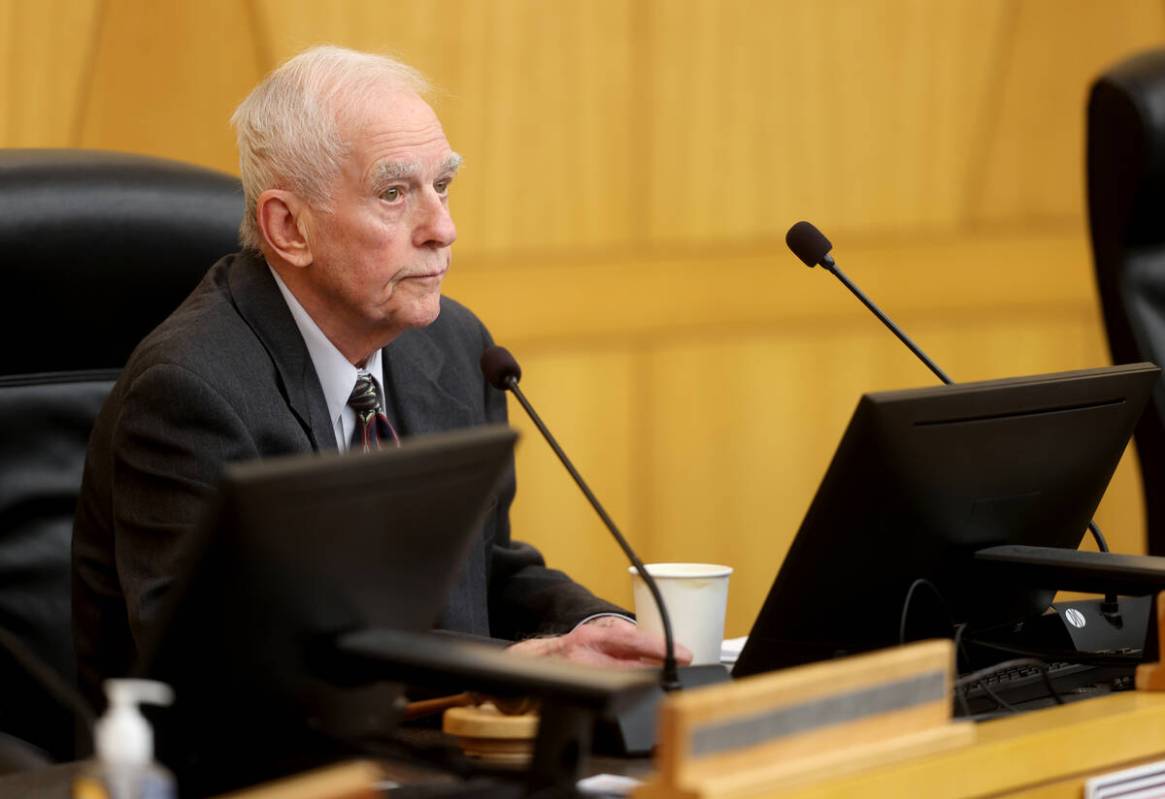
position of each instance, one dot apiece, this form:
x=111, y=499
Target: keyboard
x=1024, y=688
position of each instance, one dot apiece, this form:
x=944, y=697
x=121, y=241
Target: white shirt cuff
x=594, y=616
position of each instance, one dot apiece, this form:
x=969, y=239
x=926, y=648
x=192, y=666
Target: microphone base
x=1082, y=627
x=631, y=731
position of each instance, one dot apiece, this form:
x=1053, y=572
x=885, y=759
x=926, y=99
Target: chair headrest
x=98, y=248
x=1126, y=153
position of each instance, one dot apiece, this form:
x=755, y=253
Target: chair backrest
x=45, y=421
x=100, y=247
x=1126, y=210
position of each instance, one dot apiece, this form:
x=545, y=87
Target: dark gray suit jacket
x=228, y=378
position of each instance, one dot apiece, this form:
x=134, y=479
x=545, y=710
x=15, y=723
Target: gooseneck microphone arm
x=502, y=371
x=812, y=247
x=828, y=263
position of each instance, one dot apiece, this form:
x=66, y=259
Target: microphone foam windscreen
x=808, y=243
x=499, y=366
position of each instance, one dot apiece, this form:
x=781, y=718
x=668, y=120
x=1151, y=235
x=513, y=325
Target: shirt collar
x=336, y=374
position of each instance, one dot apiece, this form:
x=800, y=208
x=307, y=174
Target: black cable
x=906, y=606
x=984, y=673
x=1065, y=655
x=978, y=677
x=960, y=629
x=1101, y=541
x=1051, y=686
x=960, y=695
x=1110, y=606
x=997, y=699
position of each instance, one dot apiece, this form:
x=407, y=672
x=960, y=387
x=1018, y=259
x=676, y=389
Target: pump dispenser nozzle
x=123, y=736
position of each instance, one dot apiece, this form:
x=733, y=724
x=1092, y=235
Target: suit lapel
x=425, y=396
x=262, y=306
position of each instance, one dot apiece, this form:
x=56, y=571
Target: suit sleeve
x=526, y=597
x=171, y=440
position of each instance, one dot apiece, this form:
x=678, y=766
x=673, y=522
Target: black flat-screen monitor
x=294, y=553
x=924, y=478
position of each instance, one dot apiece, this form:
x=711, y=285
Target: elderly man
x=284, y=347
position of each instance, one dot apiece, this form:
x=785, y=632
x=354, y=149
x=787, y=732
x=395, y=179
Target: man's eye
x=391, y=194
x=442, y=186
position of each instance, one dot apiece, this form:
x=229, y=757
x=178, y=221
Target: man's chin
x=425, y=312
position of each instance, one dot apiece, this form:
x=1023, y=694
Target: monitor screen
x=921, y=480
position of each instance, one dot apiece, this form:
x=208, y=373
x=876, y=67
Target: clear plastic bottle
x=124, y=766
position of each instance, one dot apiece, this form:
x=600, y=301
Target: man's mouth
x=436, y=273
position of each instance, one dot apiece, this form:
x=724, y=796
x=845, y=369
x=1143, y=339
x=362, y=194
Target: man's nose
x=436, y=228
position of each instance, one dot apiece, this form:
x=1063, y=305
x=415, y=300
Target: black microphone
x=810, y=245
x=501, y=371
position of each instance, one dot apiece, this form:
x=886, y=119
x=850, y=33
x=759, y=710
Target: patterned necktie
x=372, y=426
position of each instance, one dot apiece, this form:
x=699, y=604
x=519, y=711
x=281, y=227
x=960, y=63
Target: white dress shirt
x=337, y=375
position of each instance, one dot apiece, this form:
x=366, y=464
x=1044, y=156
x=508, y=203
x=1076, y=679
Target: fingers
x=623, y=642
x=610, y=642
x=651, y=648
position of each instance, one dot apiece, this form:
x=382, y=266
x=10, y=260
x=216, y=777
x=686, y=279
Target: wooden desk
x=1044, y=754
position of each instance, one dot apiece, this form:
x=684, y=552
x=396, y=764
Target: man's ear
x=282, y=217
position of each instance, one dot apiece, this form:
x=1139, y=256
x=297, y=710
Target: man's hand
x=605, y=641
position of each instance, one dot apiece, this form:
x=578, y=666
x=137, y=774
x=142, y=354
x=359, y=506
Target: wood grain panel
x=1033, y=164
x=46, y=47
x=631, y=167
x=536, y=97
x=166, y=78
x=743, y=429
x=861, y=115
x=724, y=292
x=588, y=400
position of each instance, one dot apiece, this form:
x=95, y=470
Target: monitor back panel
x=924, y=478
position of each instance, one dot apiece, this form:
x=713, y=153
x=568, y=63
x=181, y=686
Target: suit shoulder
x=456, y=319
x=200, y=332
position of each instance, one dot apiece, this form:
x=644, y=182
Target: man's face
x=381, y=251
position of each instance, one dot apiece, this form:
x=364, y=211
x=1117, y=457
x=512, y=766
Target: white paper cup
x=696, y=596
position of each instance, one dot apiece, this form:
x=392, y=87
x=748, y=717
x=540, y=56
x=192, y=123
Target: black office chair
x=1126, y=209
x=99, y=247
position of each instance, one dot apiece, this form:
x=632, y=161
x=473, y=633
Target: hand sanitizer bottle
x=124, y=767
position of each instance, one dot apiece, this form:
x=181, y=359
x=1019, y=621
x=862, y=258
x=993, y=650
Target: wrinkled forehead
x=395, y=133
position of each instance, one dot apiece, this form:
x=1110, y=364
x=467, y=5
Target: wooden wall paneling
x=859, y=115
x=742, y=431
x=46, y=50
x=631, y=167
x=166, y=78
x=1009, y=342
x=1033, y=167
x=724, y=291
x=534, y=95
x=588, y=400
x=735, y=464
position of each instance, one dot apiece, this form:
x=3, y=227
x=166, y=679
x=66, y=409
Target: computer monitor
x=296, y=552
x=921, y=480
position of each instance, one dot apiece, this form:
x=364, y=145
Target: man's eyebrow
x=452, y=163
x=388, y=171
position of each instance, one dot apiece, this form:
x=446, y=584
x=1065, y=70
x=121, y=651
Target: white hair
x=289, y=127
